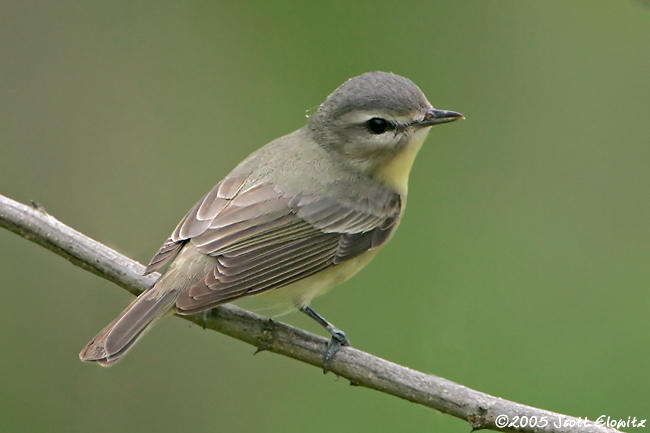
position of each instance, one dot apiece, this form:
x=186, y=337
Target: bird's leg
x=338, y=337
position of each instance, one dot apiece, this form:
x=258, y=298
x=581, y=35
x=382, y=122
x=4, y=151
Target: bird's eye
x=377, y=125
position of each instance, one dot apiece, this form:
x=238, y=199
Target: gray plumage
x=304, y=204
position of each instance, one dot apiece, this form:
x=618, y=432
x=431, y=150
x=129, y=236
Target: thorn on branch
x=38, y=207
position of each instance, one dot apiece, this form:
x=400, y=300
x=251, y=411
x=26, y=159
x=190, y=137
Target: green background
x=520, y=269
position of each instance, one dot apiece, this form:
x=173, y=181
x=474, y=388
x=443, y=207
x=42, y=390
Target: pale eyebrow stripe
x=363, y=116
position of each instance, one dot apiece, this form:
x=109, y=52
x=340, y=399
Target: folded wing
x=264, y=238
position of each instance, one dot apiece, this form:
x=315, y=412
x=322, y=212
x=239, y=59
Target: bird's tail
x=118, y=337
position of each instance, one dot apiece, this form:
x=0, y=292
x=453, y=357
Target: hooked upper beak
x=436, y=117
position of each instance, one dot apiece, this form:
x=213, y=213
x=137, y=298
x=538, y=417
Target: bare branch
x=482, y=411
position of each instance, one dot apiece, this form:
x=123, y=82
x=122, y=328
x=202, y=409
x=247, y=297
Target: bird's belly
x=288, y=298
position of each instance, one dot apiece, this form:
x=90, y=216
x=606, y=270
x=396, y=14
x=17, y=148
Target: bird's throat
x=395, y=173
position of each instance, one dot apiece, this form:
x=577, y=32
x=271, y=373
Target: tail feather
x=189, y=266
x=118, y=337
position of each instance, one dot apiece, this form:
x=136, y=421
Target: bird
x=297, y=217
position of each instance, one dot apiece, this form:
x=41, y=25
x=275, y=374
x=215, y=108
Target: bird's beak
x=436, y=117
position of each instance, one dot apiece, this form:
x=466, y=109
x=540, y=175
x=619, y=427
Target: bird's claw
x=336, y=342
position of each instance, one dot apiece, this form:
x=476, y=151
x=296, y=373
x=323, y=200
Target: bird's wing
x=264, y=238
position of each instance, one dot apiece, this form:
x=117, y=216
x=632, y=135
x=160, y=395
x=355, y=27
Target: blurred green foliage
x=521, y=268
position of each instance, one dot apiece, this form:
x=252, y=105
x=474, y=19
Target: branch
x=482, y=411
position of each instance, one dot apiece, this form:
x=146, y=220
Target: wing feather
x=264, y=238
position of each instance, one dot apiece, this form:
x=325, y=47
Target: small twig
x=482, y=411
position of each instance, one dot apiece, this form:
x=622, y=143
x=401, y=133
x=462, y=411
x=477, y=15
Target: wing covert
x=263, y=238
